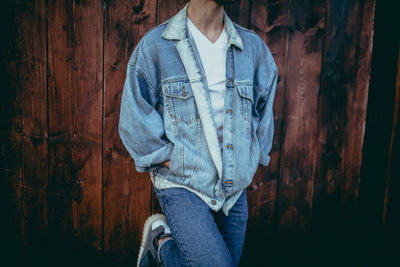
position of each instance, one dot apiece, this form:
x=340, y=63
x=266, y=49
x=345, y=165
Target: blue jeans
x=201, y=236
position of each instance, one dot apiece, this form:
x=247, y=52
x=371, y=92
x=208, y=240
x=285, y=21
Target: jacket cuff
x=154, y=159
x=264, y=159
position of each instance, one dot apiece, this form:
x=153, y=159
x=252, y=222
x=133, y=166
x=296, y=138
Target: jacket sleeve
x=141, y=127
x=267, y=78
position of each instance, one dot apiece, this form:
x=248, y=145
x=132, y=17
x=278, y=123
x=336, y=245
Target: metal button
x=213, y=202
x=184, y=93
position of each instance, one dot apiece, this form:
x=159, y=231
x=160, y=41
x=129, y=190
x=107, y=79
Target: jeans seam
x=172, y=225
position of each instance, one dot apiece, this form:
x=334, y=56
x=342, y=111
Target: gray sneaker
x=154, y=228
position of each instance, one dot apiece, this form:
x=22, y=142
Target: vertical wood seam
x=47, y=110
x=327, y=7
x=249, y=15
x=278, y=180
x=362, y=5
x=102, y=131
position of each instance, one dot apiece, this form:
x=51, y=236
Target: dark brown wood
x=270, y=21
x=341, y=120
x=23, y=131
x=342, y=103
x=379, y=233
x=297, y=158
x=168, y=8
x=126, y=193
x=75, y=56
x=239, y=12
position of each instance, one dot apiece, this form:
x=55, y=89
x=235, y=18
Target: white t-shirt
x=213, y=58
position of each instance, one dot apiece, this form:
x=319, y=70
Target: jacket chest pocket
x=245, y=93
x=179, y=102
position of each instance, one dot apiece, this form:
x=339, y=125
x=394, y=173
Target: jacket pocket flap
x=246, y=91
x=181, y=90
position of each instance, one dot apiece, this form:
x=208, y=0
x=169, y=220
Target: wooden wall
x=379, y=198
x=69, y=191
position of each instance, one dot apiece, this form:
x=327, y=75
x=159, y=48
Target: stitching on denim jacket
x=269, y=84
x=141, y=73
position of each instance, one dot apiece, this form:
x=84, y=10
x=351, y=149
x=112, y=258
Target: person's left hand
x=166, y=163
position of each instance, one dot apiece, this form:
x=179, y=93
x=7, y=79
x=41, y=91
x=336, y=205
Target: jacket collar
x=177, y=28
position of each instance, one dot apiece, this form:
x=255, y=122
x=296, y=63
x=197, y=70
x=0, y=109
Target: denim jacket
x=166, y=112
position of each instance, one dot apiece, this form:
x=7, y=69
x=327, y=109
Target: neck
x=207, y=15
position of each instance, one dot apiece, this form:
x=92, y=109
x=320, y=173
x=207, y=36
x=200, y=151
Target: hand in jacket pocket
x=166, y=163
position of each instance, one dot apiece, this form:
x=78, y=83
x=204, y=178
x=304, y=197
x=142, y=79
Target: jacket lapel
x=202, y=100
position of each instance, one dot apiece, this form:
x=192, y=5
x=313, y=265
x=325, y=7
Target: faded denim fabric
x=166, y=112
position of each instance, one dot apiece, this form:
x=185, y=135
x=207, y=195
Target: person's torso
x=213, y=58
x=175, y=70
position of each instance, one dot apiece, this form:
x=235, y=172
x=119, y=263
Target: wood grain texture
x=168, y=8
x=127, y=194
x=342, y=110
x=379, y=234
x=23, y=131
x=297, y=161
x=270, y=21
x=75, y=46
x=342, y=106
x=239, y=12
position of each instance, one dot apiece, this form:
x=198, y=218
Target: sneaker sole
x=146, y=230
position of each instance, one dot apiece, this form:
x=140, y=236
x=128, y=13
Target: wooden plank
x=297, y=159
x=23, y=135
x=377, y=145
x=169, y=8
x=342, y=104
x=342, y=111
x=239, y=12
x=358, y=99
x=342, y=107
x=75, y=47
x=126, y=193
x=270, y=21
